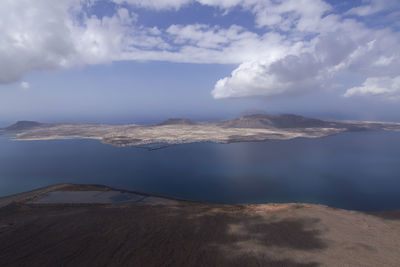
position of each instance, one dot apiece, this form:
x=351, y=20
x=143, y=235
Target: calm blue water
x=349, y=170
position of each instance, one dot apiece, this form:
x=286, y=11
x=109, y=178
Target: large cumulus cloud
x=295, y=46
x=346, y=48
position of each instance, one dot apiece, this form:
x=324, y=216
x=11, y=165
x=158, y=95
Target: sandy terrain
x=179, y=233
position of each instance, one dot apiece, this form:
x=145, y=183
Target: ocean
x=352, y=170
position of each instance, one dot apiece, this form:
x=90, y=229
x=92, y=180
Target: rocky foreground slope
x=45, y=228
x=255, y=127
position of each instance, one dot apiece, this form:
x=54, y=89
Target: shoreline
x=14, y=137
x=26, y=196
x=36, y=230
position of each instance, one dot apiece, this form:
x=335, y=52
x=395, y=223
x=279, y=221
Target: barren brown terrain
x=180, y=233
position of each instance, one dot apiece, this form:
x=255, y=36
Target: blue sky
x=141, y=61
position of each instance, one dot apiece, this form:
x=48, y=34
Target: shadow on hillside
x=387, y=215
x=151, y=235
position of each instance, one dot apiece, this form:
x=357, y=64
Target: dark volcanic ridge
x=23, y=125
x=275, y=121
x=178, y=121
x=292, y=121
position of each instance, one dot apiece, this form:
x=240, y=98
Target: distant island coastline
x=246, y=128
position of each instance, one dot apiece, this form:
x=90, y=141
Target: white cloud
x=105, y=39
x=47, y=35
x=340, y=46
x=260, y=79
x=313, y=69
x=177, y=4
x=33, y=37
x=286, y=15
x=385, y=87
x=205, y=36
x=156, y=4
x=223, y=3
x=234, y=45
x=25, y=85
x=287, y=74
x=299, y=46
x=373, y=6
x=293, y=62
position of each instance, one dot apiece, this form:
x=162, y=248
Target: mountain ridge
x=276, y=121
x=178, y=121
x=23, y=125
x=254, y=121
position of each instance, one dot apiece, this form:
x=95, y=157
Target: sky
x=142, y=61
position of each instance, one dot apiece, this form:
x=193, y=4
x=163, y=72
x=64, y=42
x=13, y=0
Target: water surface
x=349, y=170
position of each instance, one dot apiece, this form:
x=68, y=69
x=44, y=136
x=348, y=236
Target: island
x=246, y=128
